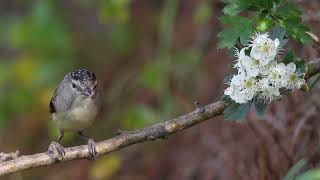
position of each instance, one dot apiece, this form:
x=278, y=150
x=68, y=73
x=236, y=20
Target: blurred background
x=153, y=59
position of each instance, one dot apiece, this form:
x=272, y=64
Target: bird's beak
x=87, y=92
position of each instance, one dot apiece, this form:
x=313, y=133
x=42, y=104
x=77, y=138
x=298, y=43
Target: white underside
x=77, y=118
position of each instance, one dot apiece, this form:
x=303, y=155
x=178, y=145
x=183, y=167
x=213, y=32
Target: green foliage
x=301, y=65
x=234, y=7
x=289, y=16
x=260, y=108
x=279, y=32
x=310, y=175
x=267, y=14
x=240, y=28
x=264, y=24
x=294, y=170
x=291, y=57
x=236, y=111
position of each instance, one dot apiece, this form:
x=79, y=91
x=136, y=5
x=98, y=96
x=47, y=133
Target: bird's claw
x=92, y=149
x=56, y=151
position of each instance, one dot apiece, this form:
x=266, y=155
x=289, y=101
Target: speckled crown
x=83, y=75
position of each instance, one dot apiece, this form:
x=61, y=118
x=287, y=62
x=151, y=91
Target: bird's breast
x=80, y=116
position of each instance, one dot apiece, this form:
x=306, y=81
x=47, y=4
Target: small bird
x=74, y=106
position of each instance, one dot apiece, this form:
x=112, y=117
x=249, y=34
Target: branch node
x=5, y=157
x=120, y=131
x=199, y=107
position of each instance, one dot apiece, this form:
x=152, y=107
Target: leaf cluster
x=265, y=15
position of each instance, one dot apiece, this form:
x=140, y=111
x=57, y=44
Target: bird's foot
x=56, y=151
x=92, y=149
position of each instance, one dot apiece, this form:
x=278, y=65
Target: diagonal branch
x=160, y=130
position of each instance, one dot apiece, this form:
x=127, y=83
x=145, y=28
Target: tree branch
x=160, y=130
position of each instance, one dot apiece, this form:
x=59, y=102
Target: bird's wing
x=52, y=102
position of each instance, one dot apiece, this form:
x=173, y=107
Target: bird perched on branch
x=75, y=105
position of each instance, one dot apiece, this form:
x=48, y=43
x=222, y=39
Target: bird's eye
x=74, y=85
x=94, y=87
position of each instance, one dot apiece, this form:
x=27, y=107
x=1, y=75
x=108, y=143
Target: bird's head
x=83, y=82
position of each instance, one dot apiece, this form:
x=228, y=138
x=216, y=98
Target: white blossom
x=263, y=48
x=292, y=78
x=242, y=88
x=267, y=92
x=274, y=73
x=260, y=74
x=245, y=63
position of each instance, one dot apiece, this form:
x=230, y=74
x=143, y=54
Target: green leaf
x=226, y=98
x=289, y=57
x=233, y=9
x=310, y=175
x=289, y=16
x=264, y=24
x=240, y=27
x=236, y=111
x=245, y=36
x=300, y=65
x=277, y=32
x=294, y=170
x=260, y=108
x=298, y=31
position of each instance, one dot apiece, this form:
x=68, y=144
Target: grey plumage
x=69, y=99
x=75, y=105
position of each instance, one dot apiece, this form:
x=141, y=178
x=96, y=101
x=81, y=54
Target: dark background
x=153, y=59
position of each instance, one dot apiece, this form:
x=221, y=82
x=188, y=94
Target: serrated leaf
x=239, y=27
x=245, y=36
x=298, y=31
x=228, y=38
x=289, y=16
x=289, y=10
x=236, y=111
x=260, y=108
x=233, y=9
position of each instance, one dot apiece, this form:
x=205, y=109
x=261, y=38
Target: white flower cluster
x=259, y=72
